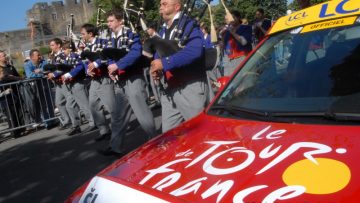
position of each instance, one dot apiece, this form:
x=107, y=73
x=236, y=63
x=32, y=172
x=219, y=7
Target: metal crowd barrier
x=30, y=103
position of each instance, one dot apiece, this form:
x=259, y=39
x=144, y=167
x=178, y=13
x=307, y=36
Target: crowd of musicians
x=107, y=73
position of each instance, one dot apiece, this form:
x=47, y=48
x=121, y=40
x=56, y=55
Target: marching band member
x=76, y=79
x=130, y=88
x=237, y=43
x=101, y=92
x=64, y=100
x=151, y=31
x=261, y=24
x=207, y=39
x=186, y=92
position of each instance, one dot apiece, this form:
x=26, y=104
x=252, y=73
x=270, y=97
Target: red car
x=284, y=129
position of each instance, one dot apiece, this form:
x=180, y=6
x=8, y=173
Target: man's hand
x=37, y=71
x=90, y=70
x=65, y=79
x=156, y=69
x=7, y=91
x=112, y=68
x=232, y=30
x=50, y=76
x=113, y=71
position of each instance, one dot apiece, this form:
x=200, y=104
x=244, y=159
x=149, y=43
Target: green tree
x=273, y=9
x=151, y=8
x=294, y=6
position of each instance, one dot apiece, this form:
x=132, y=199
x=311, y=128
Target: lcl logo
x=339, y=9
x=296, y=19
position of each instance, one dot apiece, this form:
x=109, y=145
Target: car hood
x=212, y=159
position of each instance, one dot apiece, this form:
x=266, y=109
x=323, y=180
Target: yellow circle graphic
x=328, y=176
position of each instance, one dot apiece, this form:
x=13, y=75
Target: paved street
x=47, y=166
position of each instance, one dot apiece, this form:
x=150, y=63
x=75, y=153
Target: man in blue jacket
x=34, y=69
x=130, y=93
x=237, y=41
x=183, y=72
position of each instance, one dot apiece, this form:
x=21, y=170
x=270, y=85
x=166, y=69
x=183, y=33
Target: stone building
x=46, y=21
x=54, y=17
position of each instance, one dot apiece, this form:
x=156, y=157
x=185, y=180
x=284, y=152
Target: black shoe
x=74, y=131
x=109, y=152
x=105, y=136
x=89, y=129
x=63, y=127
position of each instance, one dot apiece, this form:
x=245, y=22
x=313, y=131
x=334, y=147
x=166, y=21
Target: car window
x=302, y=72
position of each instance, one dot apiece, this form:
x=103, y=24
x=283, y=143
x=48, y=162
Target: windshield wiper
x=336, y=116
x=327, y=115
x=235, y=110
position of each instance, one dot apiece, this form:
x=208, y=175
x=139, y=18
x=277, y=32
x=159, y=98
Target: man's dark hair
x=260, y=10
x=236, y=14
x=32, y=51
x=69, y=45
x=152, y=25
x=206, y=28
x=57, y=41
x=90, y=28
x=118, y=14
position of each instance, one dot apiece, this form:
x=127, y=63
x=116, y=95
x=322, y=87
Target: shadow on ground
x=48, y=166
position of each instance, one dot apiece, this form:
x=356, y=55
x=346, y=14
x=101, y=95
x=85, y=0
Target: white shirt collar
x=119, y=33
x=93, y=41
x=177, y=16
x=59, y=52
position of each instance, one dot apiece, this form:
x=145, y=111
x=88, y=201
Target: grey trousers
x=67, y=105
x=101, y=94
x=183, y=103
x=130, y=97
x=82, y=99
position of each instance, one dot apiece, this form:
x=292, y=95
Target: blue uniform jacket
x=98, y=42
x=207, y=42
x=135, y=51
x=187, y=56
x=78, y=67
x=58, y=60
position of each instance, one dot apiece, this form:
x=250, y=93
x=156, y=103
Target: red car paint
x=251, y=161
x=212, y=158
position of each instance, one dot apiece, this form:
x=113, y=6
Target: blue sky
x=13, y=13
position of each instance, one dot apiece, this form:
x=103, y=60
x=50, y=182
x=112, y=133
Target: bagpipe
x=106, y=53
x=180, y=37
x=59, y=65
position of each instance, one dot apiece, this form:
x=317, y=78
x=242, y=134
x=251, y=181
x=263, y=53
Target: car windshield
x=295, y=73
